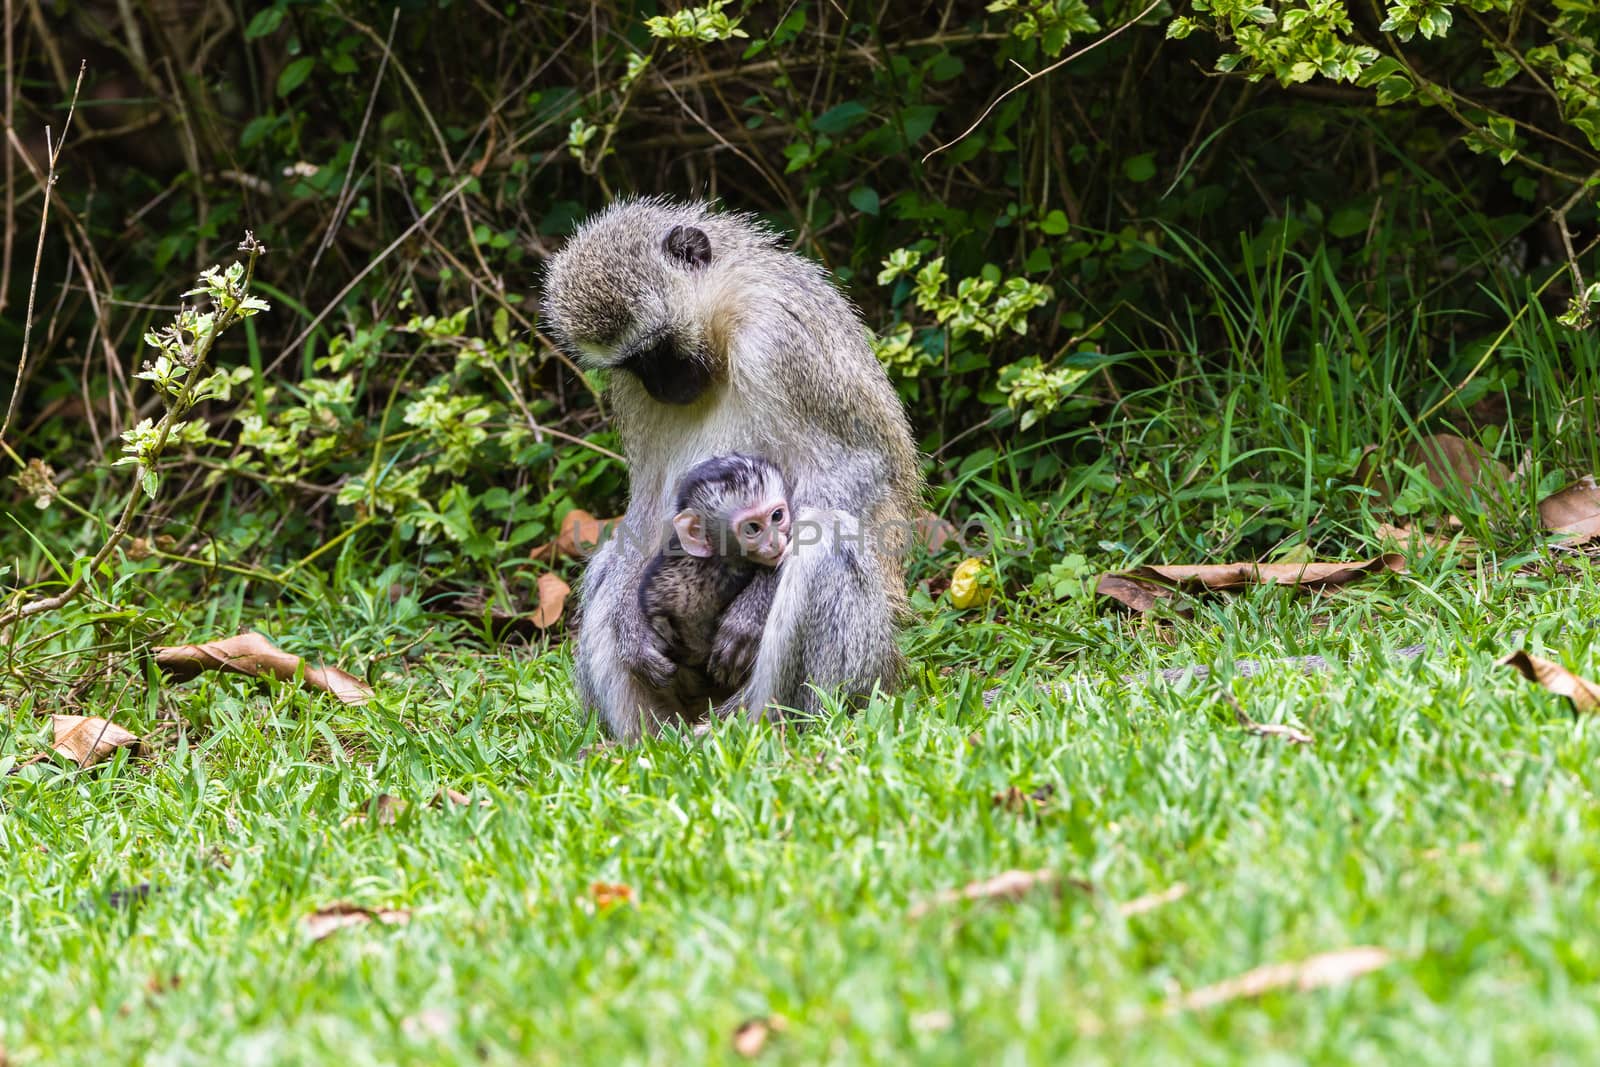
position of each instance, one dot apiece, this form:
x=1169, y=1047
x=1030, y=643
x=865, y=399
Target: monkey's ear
x=692, y=534
x=688, y=245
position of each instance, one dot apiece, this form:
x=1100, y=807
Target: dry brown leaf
x=326, y=921
x=1407, y=537
x=89, y=739
x=1007, y=885
x=253, y=655
x=1584, y=694
x=1151, y=901
x=1218, y=576
x=385, y=809
x=752, y=1035
x=1017, y=802
x=608, y=894
x=1317, y=972
x=1131, y=593
x=1454, y=462
x=553, y=594
x=934, y=532
x=1369, y=474
x=1574, y=511
x=156, y=984
x=1302, y=976
x=458, y=799
x=581, y=533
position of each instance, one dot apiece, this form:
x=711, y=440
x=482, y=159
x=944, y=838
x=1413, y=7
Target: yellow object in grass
x=970, y=586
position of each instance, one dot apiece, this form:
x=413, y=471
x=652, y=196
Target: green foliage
x=704, y=25
x=1052, y=22
x=1100, y=258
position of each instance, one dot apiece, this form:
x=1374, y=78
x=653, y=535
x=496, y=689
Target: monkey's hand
x=733, y=651
x=643, y=651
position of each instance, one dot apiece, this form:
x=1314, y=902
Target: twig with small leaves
x=179, y=373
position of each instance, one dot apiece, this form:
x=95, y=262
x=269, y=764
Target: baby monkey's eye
x=752, y=529
x=777, y=516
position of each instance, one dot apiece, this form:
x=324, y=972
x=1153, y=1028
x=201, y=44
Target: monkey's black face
x=623, y=295
x=667, y=373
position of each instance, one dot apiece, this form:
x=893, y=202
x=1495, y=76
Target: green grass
x=1445, y=812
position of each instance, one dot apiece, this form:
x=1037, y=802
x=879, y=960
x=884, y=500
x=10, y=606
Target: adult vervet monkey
x=719, y=341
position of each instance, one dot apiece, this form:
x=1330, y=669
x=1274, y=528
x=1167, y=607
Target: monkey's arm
x=849, y=481
x=621, y=634
x=830, y=626
x=733, y=652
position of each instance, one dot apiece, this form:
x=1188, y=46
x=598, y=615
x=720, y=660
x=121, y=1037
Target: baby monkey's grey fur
x=732, y=519
x=716, y=340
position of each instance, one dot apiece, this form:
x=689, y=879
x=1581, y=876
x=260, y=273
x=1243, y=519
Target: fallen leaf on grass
x=253, y=655
x=385, y=809
x=89, y=739
x=610, y=894
x=1454, y=462
x=1017, y=802
x=752, y=1035
x=1221, y=576
x=553, y=594
x=1584, y=694
x=505, y=614
x=1575, y=511
x=156, y=984
x=1007, y=885
x=335, y=917
x=1317, y=972
x=1151, y=901
x=1369, y=474
x=457, y=798
x=1408, y=537
x=1302, y=976
x=1132, y=593
x=581, y=533
x=1141, y=588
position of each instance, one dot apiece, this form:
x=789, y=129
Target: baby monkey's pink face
x=735, y=506
x=762, y=531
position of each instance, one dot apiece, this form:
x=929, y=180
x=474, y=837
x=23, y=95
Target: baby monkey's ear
x=689, y=246
x=692, y=534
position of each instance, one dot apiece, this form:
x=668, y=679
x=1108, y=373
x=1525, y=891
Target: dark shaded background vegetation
x=1175, y=307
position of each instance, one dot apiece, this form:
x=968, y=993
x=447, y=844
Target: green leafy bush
x=1335, y=211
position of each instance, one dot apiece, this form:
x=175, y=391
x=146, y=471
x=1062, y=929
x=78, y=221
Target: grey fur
x=776, y=363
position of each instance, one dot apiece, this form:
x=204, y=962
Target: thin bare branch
x=1030, y=79
x=38, y=252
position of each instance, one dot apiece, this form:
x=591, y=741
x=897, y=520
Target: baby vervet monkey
x=731, y=519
